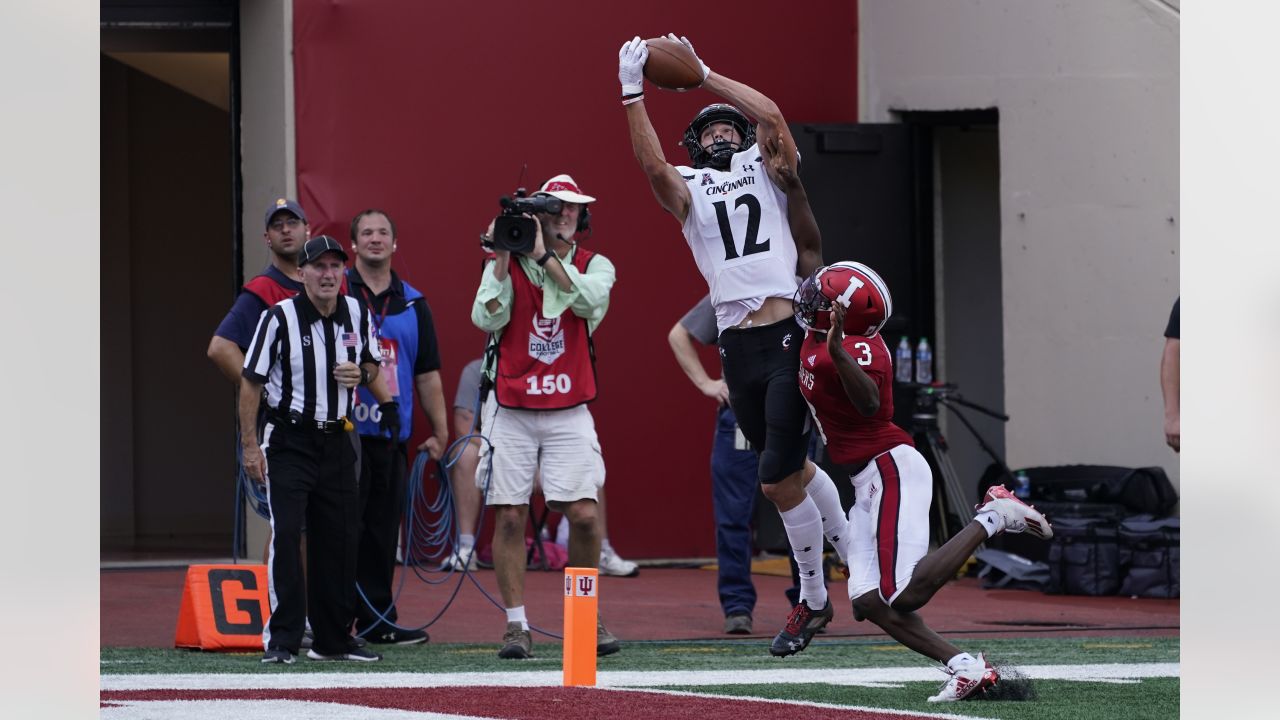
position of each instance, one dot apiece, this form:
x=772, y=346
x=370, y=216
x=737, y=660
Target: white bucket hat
x=564, y=188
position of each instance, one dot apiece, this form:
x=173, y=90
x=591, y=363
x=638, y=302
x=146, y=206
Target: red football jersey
x=851, y=439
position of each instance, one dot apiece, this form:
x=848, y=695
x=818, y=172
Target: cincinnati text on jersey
x=729, y=186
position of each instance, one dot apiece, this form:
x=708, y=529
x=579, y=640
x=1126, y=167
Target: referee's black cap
x=318, y=246
x=284, y=204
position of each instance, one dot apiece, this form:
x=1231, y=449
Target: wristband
x=364, y=375
x=627, y=96
x=542, y=261
x=629, y=99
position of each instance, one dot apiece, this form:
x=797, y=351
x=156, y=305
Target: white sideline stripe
x=265, y=709
x=871, y=677
x=806, y=703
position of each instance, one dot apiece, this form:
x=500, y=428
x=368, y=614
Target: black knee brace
x=777, y=464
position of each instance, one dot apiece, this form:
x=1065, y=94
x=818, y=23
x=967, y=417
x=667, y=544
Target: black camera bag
x=1149, y=555
x=1139, y=490
x=1084, y=557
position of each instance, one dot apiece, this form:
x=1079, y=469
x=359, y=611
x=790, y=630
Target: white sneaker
x=611, y=564
x=460, y=559
x=967, y=681
x=1018, y=516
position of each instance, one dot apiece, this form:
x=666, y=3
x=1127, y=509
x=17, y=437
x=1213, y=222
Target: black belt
x=295, y=419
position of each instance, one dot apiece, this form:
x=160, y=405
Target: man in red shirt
x=847, y=380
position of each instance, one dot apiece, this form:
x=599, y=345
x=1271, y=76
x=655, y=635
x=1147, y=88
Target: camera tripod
x=951, y=511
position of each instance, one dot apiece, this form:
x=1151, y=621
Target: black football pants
x=382, y=498
x=761, y=366
x=311, y=476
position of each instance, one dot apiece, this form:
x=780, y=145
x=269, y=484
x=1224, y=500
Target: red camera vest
x=544, y=363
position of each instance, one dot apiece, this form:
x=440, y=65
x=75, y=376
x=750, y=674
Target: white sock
x=562, y=532
x=466, y=541
x=992, y=521
x=961, y=660
x=803, y=524
x=516, y=614
x=835, y=526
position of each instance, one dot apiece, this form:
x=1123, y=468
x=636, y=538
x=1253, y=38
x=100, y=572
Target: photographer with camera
x=540, y=367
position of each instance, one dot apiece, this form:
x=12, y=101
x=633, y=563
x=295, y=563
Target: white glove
x=631, y=57
x=685, y=41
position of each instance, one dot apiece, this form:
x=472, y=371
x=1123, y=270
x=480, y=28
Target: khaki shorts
x=561, y=445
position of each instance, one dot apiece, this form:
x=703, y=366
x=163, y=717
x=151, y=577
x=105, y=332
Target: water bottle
x=1022, y=485
x=902, y=373
x=924, y=363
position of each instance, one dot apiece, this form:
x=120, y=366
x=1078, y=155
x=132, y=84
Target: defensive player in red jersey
x=846, y=375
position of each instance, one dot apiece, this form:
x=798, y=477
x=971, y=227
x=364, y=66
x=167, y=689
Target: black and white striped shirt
x=295, y=349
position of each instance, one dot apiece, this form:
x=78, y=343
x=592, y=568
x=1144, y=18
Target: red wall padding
x=429, y=110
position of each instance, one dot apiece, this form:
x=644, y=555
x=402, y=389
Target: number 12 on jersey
x=548, y=384
x=751, y=246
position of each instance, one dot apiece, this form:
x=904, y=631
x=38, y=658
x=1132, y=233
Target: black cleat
x=802, y=623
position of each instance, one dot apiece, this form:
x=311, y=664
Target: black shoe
x=353, y=652
x=802, y=623
x=277, y=655
x=399, y=637
x=737, y=624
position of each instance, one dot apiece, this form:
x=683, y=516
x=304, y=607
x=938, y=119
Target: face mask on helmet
x=864, y=294
x=721, y=153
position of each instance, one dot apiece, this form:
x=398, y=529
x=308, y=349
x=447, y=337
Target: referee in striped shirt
x=310, y=352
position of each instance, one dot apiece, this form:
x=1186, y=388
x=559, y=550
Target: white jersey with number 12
x=738, y=232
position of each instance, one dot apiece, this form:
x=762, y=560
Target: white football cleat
x=967, y=681
x=1018, y=516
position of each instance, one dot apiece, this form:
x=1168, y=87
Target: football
x=671, y=65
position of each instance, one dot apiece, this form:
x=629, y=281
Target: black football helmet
x=721, y=152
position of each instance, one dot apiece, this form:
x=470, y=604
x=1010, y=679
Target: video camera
x=514, y=232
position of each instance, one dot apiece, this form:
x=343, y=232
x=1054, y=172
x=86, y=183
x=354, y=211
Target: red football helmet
x=854, y=285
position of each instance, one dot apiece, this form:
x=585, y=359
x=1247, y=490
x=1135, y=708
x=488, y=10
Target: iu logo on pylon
x=586, y=586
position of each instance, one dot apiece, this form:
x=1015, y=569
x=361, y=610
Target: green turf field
x=640, y=656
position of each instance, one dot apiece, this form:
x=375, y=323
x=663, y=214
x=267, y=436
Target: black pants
x=311, y=477
x=382, y=497
x=761, y=366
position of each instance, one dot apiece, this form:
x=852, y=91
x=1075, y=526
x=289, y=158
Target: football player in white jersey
x=732, y=205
